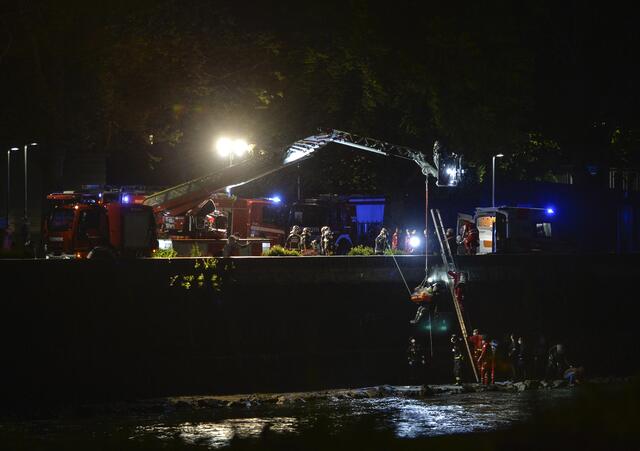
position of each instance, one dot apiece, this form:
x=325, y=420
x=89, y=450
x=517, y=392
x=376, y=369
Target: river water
x=393, y=418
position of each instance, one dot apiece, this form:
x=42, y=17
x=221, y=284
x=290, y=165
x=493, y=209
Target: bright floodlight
x=224, y=146
x=451, y=171
x=14, y=148
x=500, y=155
x=240, y=146
x=550, y=211
x=414, y=241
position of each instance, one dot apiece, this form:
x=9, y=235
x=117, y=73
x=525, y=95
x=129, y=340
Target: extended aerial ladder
x=454, y=276
x=446, y=170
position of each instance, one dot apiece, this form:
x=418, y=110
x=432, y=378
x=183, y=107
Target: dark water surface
x=389, y=417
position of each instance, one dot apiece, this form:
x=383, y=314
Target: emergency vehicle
x=209, y=223
x=351, y=218
x=512, y=229
x=81, y=224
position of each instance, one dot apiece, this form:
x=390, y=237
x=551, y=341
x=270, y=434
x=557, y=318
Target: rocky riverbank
x=203, y=403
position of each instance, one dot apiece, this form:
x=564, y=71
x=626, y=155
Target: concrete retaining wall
x=79, y=331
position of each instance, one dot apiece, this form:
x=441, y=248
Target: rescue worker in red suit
x=475, y=341
x=458, y=287
x=395, y=238
x=487, y=361
x=471, y=239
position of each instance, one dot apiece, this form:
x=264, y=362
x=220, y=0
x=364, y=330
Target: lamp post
x=25, y=230
x=13, y=149
x=493, y=176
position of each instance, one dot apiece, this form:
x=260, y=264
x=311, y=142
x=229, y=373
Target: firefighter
x=512, y=355
x=305, y=239
x=294, y=239
x=381, y=243
x=522, y=360
x=458, y=358
x=416, y=359
x=556, y=362
x=395, y=238
x=407, y=241
x=471, y=239
x=475, y=340
x=426, y=298
x=487, y=361
x=326, y=241
x=459, y=282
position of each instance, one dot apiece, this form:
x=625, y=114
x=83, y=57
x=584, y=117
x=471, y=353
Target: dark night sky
x=83, y=77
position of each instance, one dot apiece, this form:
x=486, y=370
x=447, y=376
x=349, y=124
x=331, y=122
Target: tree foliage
x=153, y=82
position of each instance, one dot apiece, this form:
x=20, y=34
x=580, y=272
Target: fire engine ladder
x=447, y=259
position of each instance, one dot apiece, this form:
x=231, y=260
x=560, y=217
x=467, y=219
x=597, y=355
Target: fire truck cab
x=79, y=223
x=512, y=229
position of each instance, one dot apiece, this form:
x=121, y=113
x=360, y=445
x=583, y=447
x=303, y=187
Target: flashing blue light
x=550, y=211
x=125, y=199
x=275, y=199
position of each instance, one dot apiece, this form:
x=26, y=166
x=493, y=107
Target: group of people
x=466, y=242
x=301, y=239
x=516, y=359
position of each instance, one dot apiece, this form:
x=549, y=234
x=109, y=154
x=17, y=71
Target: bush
x=165, y=253
x=361, y=250
x=279, y=251
x=393, y=252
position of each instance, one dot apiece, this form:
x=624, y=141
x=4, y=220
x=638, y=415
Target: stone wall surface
x=82, y=331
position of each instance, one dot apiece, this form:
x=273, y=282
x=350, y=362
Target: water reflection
x=360, y=419
x=218, y=434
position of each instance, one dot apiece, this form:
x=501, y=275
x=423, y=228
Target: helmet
x=306, y=230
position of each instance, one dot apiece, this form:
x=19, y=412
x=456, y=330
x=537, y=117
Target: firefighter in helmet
x=305, y=239
x=471, y=239
x=416, y=359
x=487, y=361
x=294, y=239
x=381, y=243
x=326, y=241
x=458, y=357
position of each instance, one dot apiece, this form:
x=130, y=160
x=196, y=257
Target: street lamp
x=13, y=149
x=25, y=230
x=230, y=147
x=493, y=176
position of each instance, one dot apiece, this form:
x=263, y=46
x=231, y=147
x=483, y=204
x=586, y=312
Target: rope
x=401, y=275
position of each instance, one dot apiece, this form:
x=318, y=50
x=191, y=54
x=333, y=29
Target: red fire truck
x=208, y=224
x=83, y=224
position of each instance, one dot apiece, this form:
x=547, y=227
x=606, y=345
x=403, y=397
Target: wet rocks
x=528, y=384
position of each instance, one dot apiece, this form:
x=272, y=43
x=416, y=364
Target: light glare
x=224, y=146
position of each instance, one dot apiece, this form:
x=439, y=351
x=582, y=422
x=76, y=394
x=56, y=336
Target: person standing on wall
x=381, y=243
x=395, y=239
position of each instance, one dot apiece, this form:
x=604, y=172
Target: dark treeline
x=547, y=84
